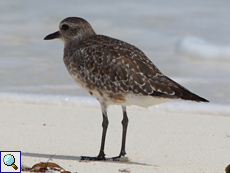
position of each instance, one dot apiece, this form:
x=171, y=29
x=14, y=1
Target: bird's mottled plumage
x=113, y=71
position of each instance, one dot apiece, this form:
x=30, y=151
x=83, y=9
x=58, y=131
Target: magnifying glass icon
x=9, y=160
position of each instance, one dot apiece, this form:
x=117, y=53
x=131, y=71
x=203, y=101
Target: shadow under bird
x=115, y=73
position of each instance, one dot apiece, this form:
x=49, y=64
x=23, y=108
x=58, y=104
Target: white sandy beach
x=156, y=142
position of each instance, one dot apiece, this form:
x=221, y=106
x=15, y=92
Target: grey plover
x=115, y=73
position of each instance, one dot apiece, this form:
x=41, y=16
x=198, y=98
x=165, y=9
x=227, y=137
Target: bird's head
x=72, y=28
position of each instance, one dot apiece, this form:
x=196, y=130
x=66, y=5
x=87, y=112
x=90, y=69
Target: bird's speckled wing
x=118, y=67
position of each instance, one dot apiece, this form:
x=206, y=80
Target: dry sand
x=156, y=142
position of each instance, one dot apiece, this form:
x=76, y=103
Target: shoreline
x=186, y=107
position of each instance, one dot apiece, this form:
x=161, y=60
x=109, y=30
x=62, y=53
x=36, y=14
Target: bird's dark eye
x=65, y=27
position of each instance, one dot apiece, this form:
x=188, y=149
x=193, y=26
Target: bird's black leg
x=124, y=123
x=105, y=123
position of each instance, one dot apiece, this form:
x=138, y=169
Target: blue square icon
x=10, y=161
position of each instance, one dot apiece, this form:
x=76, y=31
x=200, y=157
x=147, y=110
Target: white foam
x=48, y=99
x=194, y=108
x=195, y=47
x=84, y=101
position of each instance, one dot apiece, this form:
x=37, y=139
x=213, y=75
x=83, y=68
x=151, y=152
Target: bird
x=115, y=73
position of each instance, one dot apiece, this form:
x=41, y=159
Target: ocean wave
x=195, y=47
x=90, y=102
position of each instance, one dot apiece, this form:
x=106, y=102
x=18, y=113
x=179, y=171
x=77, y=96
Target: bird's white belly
x=143, y=101
x=125, y=99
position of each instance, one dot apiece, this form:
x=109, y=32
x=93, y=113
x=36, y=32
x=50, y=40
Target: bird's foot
x=93, y=158
x=119, y=158
x=101, y=156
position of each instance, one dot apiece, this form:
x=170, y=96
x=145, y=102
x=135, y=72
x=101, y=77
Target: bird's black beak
x=53, y=36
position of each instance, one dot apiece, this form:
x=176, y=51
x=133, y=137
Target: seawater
x=32, y=70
